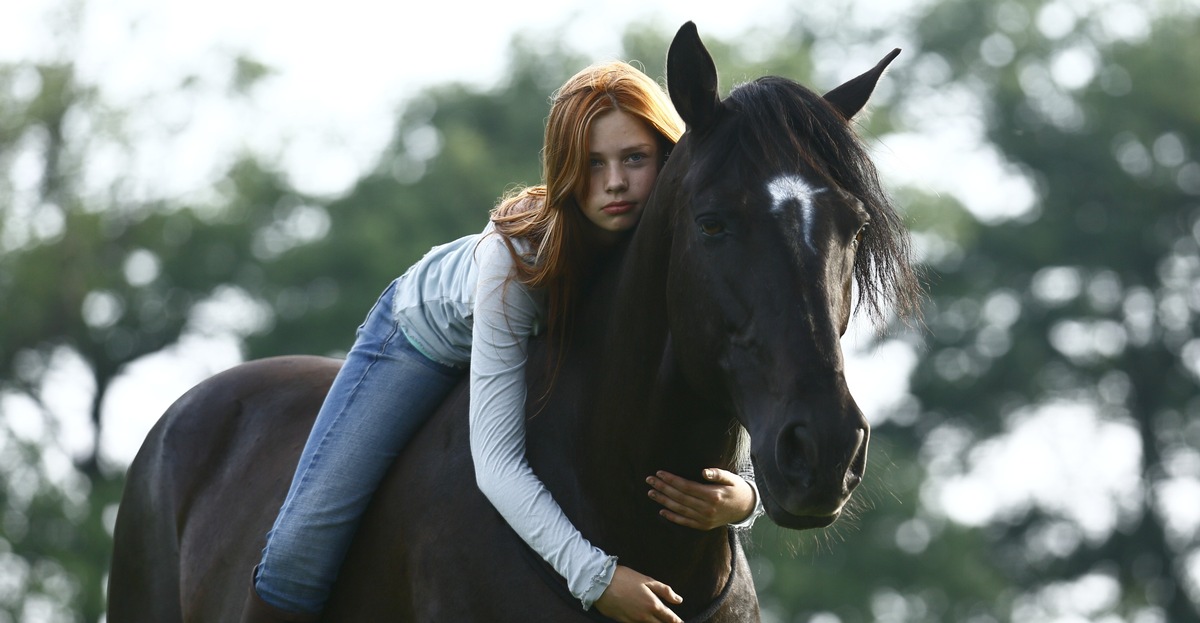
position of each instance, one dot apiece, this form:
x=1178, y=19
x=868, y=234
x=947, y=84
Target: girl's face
x=623, y=155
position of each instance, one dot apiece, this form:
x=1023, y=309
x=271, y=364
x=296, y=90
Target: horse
x=716, y=325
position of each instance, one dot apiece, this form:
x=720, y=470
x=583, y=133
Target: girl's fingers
x=686, y=522
x=720, y=476
x=681, y=490
x=723, y=499
x=665, y=593
x=671, y=503
x=681, y=484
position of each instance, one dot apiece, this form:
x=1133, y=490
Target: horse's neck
x=639, y=416
x=631, y=383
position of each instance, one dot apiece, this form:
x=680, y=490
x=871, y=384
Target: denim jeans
x=384, y=392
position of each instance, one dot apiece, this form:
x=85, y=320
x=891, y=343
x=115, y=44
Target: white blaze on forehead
x=787, y=188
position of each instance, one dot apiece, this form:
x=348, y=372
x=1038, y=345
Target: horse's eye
x=862, y=233
x=711, y=227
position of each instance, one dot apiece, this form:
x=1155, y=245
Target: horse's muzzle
x=811, y=472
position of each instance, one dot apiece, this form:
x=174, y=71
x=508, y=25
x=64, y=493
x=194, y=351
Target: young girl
x=472, y=305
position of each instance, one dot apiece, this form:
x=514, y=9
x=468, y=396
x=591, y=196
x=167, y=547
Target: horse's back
x=431, y=547
x=206, y=486
x=209, y=480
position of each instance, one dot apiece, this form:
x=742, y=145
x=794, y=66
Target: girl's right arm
x=635, y=597
x=504, y=318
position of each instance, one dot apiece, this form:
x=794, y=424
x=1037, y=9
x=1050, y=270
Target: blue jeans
x=384, y=392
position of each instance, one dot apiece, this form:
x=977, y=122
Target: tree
x=93, y=277
x=1084, y=303
x=1086, y=299
x=455, y=149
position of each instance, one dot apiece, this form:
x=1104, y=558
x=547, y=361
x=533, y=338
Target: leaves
x=1087, y=299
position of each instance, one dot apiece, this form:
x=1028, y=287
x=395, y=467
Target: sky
x=341, y=72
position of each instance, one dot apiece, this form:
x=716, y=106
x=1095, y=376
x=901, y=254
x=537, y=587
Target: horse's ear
x=849, y=98
x=692, y=78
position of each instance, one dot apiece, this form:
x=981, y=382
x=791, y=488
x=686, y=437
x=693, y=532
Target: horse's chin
x=803, y=519
x=787, y=520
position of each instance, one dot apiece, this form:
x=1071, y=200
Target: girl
x=477, y=301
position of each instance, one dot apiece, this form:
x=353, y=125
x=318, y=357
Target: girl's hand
x=703, y=506
x=634, y=598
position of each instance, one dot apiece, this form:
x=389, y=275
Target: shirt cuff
x=599, y=583
x=748, y=522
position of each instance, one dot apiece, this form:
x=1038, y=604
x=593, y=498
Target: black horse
x=723, y=311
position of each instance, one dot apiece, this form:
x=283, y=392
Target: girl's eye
x=635, y=158
x=710, y=227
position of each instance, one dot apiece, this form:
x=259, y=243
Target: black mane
x=818, y=140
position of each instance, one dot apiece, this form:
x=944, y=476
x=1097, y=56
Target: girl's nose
x=616, y=181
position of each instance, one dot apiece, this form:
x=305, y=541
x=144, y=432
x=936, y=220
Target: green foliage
x=1088, y=298
x=455, y=150
x=888, y=559
x=248, y=72
x=1096, y=277
x=98, y=278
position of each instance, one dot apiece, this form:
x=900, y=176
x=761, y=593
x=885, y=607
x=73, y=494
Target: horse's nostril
x=805, y=444
x=798, y=454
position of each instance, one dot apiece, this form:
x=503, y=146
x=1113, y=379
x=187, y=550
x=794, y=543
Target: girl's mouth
x=618, y=207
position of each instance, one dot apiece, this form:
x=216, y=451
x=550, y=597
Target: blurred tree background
x=1043, y=464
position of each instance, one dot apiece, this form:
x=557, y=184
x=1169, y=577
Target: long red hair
x=548, y=216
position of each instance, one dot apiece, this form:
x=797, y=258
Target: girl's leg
x=383, y=394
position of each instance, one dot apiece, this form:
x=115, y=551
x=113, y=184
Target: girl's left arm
x=726, y=499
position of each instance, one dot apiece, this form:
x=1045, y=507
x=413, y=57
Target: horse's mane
x=777, y=125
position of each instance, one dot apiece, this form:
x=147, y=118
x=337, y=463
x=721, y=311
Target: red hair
x=548, y=216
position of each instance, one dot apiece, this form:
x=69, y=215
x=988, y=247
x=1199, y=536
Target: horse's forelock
x=774, y=124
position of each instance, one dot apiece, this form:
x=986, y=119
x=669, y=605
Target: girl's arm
x=504, y=318
x=731, y=500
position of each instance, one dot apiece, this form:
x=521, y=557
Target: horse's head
x=777, y=213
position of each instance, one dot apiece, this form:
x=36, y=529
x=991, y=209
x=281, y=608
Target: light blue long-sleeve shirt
x=458, y=306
